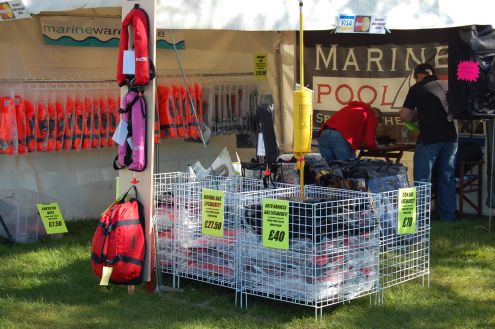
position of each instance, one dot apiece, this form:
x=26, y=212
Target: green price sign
x=212, y=202
x=406, y=221
x=275, y=225
x=52, y=218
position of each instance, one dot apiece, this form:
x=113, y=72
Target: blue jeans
x=334, y=147
x=442, y=157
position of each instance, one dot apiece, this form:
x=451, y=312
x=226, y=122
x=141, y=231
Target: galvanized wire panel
x=333, y=255
x=164, y=202
x=404, y=256
x=199, y=255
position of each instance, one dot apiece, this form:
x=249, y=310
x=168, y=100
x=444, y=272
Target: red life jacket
x=61, y=121
x=70, y=123
x=138, y=18
x=7, y=125
x=119, y=241
x=168, y=126
x=52, y=127
x=30, y=126
x=20, y=116
x=42, y=127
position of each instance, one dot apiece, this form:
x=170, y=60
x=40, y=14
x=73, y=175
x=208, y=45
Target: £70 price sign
x=406, y=219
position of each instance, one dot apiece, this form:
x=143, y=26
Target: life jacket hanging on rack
x=132, y=152
x=144, y=68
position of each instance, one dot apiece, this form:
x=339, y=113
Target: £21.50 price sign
x=212, y=217
x=52, y=218
x=275, y=225
x=406, y=222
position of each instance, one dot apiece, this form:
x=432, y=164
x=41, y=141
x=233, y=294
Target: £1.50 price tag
x=406, y=219
x=212, y=216
x=275, y=225
x=52, y=218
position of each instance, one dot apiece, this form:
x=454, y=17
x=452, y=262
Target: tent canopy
x=283, y=15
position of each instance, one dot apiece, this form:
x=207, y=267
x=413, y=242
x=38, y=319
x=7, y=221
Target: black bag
x=467, y=151
x=473, y=97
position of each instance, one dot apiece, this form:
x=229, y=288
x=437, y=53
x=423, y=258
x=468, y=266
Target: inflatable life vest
x=103, y=122
x=132, y=153
x=60, y=123
x=52, y=127
x=70, y=123
x=42, y=127
x=20, y=116
x=8, y=135
x=144, y=71
x=87, y=120
x=166, y=109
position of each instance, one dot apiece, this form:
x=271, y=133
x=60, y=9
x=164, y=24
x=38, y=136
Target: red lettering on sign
x=323, y=89
x=338, y=94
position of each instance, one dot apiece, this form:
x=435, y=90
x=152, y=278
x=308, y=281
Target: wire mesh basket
x=405, y=256
x=332, y=253
x=206, y=228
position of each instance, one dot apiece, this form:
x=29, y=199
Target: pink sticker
x=468, y=71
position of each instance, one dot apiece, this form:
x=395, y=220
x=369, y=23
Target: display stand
x=144, y=180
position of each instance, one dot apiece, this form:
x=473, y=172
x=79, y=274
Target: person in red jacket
x=346, y=130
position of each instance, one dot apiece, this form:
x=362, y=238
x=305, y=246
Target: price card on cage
x=52, y=218
x=212, y=217
x=275, y=224
x=406, y=219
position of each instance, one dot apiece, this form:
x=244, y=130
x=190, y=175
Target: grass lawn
x=50, y=284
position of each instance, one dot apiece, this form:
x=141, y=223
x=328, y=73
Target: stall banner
x=96, y=32
x=375, y=69
x=361, y=24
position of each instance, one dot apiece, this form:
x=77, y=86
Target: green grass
x=50, y=284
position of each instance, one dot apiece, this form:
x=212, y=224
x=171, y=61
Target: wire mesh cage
x=332, y=246
x=206, y=228
x=405, y=247
x=164, y=203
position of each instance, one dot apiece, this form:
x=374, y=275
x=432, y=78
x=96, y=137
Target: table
x=389, y=152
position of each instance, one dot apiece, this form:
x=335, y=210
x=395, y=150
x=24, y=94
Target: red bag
x=119, y=241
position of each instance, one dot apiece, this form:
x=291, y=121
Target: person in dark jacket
x=347, y=130
x=436, y=146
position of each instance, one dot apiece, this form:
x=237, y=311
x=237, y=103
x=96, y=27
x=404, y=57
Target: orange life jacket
x=70, y=123
x=60, y=125
x=193, y=113
x=78, y=124
x=95, y=127
x=52, y=127
x=103, y=122
x=7, y=126
x=86, y=139
x=30, y=126
x=180, y=119
x=113, y=118
x=20, y=116
x=42, y=127
x=166, y=108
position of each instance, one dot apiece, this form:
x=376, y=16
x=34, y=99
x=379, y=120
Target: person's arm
x=407, y=115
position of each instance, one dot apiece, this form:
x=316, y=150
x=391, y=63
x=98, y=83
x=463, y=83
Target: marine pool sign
x=361, y=24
